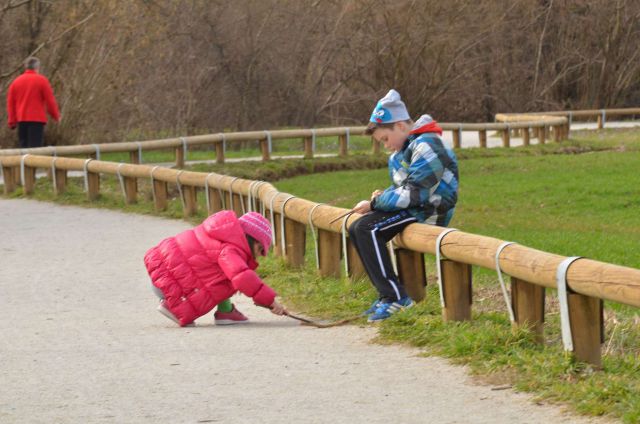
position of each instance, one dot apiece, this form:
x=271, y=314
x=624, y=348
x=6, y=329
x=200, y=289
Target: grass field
x=576, y=198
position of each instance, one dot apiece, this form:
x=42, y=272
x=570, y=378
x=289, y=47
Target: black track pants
x=370, y=235
x=30, y=134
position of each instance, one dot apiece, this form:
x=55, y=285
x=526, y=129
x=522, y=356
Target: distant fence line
x=582, y=283
x=540, y=127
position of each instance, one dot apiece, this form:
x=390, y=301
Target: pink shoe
x=230, y=318
x=167, y=313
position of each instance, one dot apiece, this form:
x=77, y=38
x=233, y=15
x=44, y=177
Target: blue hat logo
x=380, y=115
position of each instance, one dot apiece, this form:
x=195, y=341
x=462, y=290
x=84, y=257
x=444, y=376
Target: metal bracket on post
x=604, y=116
x=283, y=238
x=345, y=252
x=273, y=221
x=153, y=186
x=313, y=233
x=206, y=190
x=438, y=258
x=184, y=148
x=313, y=140
x=348, y=136
x=53, y=175
x=561, y=281
x=269, y=143
x=184, y=204
x=139, y=151
x=121, y=179
x=22, y=169
x=507, y=299
x=86, y=175
x=97, y=147
x=231, y=193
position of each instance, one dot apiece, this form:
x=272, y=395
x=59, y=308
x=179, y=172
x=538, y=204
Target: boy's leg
x=370, y=235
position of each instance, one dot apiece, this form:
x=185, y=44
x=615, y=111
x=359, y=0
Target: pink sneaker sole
x=229, y=322
x=164, y=311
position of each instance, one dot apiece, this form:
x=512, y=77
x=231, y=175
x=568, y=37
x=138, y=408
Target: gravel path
x=82, y=343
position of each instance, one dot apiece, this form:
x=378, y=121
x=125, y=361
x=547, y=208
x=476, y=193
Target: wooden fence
x=582, y=284
x=540, y=127
x=600, y=115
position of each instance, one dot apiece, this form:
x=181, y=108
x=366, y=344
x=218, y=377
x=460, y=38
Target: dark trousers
x=30, y=134
x=370, y=235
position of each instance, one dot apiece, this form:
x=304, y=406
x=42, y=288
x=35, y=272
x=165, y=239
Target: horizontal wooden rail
x=137, y=147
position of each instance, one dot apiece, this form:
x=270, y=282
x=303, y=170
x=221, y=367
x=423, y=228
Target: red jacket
x=30, y=98
x=199, y=268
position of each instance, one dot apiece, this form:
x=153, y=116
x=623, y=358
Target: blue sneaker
x=373, y=307
x=386, y=309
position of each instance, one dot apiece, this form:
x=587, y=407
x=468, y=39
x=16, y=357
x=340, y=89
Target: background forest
x=136, y=69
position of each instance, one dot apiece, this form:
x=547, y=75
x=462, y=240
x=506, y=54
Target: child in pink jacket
x=201, y=268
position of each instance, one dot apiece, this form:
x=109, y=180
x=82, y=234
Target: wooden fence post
x=375, y=146
x=412, y=272
x=356, y=268
x=61, y=181
x=456, y=138
x=506, y=138
x=456, y=285
x=134, y=157
x=557, y=133
x=308, y=147
x=542, y=135
x=342, y=140
x=295, y=235
x=179, y=157
x=215, y=201
x=277, y=242
x=130, y=190
x=93, y=191
x=329, y=244
x=220, y=152
x=9, y=179
x=600, y=122
x=17, y=180
x=160, y=197
x=585, y=316
x=482, y=135
x=29, y=180
x=238, y=201
x=190, y=201
x=264, y=146
x=525, y=137
x=527, y=300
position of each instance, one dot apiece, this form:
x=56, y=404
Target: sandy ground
x=82, y=343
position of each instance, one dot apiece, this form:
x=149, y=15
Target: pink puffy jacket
x=199, y=268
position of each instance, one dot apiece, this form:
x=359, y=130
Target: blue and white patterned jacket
x=425, y=177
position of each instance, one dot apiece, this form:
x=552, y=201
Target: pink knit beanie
x=258, y=227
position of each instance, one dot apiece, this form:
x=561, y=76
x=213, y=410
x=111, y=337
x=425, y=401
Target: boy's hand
x=376, y=193
x=362, y=207
x=277, y=308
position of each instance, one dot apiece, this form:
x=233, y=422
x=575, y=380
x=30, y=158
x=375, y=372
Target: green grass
x=547, y=197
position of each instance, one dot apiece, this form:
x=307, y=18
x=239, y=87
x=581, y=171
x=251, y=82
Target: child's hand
x=376, y=193
x=362, y=207
x=277, y=308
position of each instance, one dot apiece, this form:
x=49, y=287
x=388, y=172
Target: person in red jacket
x=29, y=100
x=201, y=268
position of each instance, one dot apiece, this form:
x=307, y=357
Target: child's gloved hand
x=362, y=207
x=277, y=308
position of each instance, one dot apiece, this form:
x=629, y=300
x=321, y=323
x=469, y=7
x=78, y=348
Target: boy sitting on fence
x=201, y=268
x=424, y=176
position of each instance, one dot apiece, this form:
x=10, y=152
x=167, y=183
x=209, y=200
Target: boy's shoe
x=373, y=307
x=167, y=313
x=230, y=318
x=386, y=309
